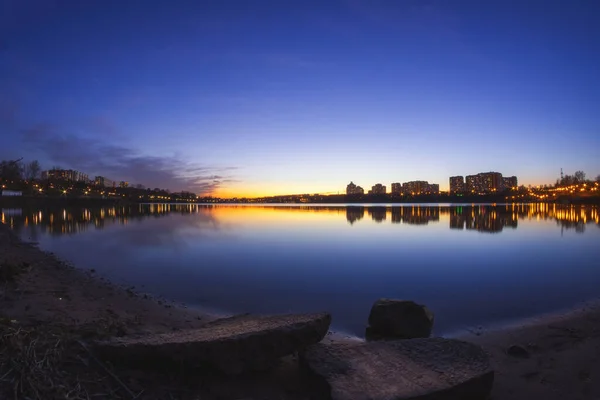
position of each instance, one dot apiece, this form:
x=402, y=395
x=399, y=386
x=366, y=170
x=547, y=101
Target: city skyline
x=480, y=183
x=203, y=96
x=483, y=183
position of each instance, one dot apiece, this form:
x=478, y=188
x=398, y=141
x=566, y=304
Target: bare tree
x=11, y=170
x=567, y=180
x=580, y=176
x=32, y=170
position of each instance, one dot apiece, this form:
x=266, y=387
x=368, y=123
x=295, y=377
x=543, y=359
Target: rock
x=517, y=351
x=231, y=345
x=399, y=319
x=403, y=369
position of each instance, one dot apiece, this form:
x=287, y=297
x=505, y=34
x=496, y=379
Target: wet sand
x=561, y=358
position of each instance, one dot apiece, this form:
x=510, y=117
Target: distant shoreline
x=19, y=202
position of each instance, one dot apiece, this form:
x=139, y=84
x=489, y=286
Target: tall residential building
x=103, y=182
x=351, y=188
x=378, y=189
x=473, y=184
x=396, y=188
x=416, y=187
x=434, y=188
x=65, y=175
x=457, y=184
x=510, y=182
x=491, y=181
x=488, y=182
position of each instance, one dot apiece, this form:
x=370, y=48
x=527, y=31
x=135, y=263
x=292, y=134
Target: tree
x=580, y=176
x=11, y=170
x=32, y=170
x=567, y=180
x=598, y=178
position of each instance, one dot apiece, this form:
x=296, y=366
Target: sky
x=252, y=98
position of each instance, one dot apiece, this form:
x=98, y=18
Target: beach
x=551, y=357
x=560, y=361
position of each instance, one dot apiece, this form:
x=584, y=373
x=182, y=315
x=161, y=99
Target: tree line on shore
x=577, y=178
x=16, y=170
x=25, y=177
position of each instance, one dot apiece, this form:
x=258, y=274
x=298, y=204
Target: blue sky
x=265, y=97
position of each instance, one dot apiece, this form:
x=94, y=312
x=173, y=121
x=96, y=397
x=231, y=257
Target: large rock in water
x=399, y=319
x=423, y=369
x=232, y=345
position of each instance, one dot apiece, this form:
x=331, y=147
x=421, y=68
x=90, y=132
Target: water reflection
x=481, y=218
x=307, y=258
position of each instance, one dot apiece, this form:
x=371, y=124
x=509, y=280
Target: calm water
x=472, y=265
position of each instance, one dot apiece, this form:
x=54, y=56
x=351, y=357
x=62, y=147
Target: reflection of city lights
x=485, y=218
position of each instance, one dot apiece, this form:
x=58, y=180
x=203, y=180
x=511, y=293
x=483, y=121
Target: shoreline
x=560, y=358
x=508, y=325
x=49, y=290
x=36, y=201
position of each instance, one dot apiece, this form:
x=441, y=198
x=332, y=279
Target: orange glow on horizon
x=264, y=189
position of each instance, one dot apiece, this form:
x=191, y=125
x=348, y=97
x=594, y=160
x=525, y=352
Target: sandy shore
x=557, y=355
x=561, y=359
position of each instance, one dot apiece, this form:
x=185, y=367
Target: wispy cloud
x=97, y=156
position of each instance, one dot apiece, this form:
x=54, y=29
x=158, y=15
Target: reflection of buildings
x=354, y=214
x=60, y=221
x=488, y=218
x=415, y=215
x=482, y=218
x=419, y=215
x=377, y=213
x=353, y=189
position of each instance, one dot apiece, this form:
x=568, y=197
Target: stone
x=517, y=351
x=232, y=345
x=399, y=319
x=423, y=369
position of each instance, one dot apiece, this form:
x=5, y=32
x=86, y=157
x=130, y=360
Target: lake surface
x=472, y=265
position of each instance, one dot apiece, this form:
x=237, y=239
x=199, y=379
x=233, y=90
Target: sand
x=559, y=361
x=562, y=359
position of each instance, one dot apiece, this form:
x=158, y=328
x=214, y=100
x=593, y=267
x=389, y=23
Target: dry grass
x=48, y=363
x=53, y=362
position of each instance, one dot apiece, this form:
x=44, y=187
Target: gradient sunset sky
x=268, y=97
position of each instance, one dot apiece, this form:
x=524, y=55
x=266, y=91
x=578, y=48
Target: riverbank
x=49, y=307
x=553, y=356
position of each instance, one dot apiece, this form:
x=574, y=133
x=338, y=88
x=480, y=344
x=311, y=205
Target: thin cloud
x=97, y=157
